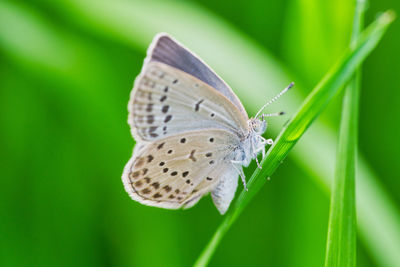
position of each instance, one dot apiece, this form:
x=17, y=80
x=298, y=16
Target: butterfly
x=193, y=135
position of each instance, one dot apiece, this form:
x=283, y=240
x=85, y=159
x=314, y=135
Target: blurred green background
x=66, y=71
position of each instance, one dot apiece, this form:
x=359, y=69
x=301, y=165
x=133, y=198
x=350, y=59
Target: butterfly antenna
x=273, y=114
x=275, y=98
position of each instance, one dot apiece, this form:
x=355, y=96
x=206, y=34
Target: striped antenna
x=275, y=98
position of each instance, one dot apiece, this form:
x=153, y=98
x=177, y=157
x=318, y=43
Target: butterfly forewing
x=166, y=101
x=168, y=51
x=177, y=170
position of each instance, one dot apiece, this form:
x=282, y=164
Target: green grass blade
x=341, y=241
x=310, y=109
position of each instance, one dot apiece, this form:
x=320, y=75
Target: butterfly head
x=254, y=142
x=257, y=126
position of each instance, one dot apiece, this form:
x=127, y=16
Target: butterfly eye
x=259, y=126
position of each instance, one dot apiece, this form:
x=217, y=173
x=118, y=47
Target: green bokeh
x=65, y=79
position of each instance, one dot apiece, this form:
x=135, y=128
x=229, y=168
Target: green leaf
x=309, y=110
x=341, y=241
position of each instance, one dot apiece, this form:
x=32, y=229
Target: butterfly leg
x=269, y=142
x=262, y=149
x=240, y=172
x=263, y=142
x=263, y=152
x=266, y=141
x=258, y=163
x=256, y=152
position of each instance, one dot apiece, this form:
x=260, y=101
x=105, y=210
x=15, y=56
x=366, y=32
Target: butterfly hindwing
x=177, y=170
x=223, y=190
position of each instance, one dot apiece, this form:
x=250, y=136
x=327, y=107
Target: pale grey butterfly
x=192, y=133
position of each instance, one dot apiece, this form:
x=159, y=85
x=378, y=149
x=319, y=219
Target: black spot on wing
x=197, y=106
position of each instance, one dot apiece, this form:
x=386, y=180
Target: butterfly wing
x=176, y=171
x=187, y=123
x=224, y=191
x=166, y=101
x=167, y=50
